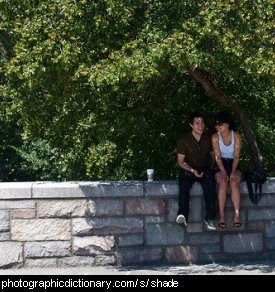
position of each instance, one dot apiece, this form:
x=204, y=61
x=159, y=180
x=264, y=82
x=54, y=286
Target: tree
x=105, y=73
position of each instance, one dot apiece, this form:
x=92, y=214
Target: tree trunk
x=212, y=90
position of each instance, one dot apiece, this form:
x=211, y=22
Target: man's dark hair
x=225, y=117
x=193, y=116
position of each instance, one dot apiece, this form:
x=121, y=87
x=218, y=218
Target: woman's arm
x=217, y=153
x=237, y=150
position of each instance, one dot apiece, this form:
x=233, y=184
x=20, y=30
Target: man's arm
x=184, y=165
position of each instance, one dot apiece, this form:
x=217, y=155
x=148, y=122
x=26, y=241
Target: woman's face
x=221, y=127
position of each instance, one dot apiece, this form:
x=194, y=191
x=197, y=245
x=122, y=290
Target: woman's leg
x=235, y=196
x=222, y=186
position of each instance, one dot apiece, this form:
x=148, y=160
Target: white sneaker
x=210, y=224
x=181, y=220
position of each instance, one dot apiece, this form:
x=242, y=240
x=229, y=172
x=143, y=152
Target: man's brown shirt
x=197, y=154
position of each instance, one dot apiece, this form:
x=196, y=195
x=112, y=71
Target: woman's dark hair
x=225, y=117
x=194, y=115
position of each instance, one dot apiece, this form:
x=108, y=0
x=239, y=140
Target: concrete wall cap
x=99, y=189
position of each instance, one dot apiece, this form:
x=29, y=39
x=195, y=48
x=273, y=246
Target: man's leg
x=209, y=192
x=186, y=181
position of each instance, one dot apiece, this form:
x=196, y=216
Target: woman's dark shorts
x=227, y=164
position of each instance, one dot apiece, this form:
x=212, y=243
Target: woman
x=226, y=145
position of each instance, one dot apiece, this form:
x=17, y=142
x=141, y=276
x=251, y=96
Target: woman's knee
x=222, y=184
x=234, y=184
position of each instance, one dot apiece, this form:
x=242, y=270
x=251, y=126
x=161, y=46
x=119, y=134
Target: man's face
x=198, y=125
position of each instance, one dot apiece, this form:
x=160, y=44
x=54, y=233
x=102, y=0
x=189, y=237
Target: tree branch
x=213, y=91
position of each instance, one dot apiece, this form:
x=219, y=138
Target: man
x=194, y=160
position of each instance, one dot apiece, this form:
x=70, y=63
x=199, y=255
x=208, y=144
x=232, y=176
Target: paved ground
x=259, y=268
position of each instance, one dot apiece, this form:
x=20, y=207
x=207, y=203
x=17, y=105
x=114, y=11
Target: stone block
x=267, y=200
x=261, y=214
x=23, y=213
x=164, y=234
x=93, y=245
x=161, y=189
x=106, y=226
x=47, y=249
x=210, y=249
x=255, y=226
x=101, y=207
x=195, y=207
x=168, y=189
x=130, y=240
x=4, y=221
x=87, y=261
x=195, y=210
x=105, y=260
x=40, y=263
x=130, y=256
x=181, y=254
x=243, y=243
x=270, y=230
x=15, y=190
x=154, y=219
x=196, y=190
x=203, y=238
x=245, y=201
x=4, y=236
x=172, y=210
x=269, y=186
x=194, y=227
x=40, y=229
x=20, y=204
x=214, y=258
x=243, y=188
x=270, y=244
x=144, y=207
x=61, y=208
x=11, y=254
x=76, y=261
x=87, y=189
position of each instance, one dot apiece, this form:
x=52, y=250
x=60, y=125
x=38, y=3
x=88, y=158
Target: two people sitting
x=194, y=158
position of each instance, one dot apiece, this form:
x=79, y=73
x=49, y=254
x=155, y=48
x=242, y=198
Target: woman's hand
x=235, y=177
x=222, y=177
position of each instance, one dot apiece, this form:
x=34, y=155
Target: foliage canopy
x=106, y=83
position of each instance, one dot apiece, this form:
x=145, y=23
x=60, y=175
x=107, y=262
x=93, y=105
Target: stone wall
x=48, y=224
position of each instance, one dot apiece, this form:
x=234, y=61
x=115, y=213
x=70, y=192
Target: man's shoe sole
x=181, y=220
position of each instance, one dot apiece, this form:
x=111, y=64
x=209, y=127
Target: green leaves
x=106, y=82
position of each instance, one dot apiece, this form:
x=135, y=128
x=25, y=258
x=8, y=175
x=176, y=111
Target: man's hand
x=197, y=174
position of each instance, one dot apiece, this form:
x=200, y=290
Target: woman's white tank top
x=227, y=151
